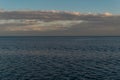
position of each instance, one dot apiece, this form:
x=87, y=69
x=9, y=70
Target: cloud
x=107, y=14
x=36, y=25
x=58, y=23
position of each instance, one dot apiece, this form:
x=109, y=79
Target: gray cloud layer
x=51, y=23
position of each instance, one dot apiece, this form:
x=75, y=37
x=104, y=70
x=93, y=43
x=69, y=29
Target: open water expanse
x=59, y=58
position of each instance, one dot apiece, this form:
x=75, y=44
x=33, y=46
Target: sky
x=96, y=18
x=84, y=6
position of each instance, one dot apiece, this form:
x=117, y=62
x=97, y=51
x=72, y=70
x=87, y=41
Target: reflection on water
x=59, y=58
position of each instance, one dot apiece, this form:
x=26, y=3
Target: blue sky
x=84, y=6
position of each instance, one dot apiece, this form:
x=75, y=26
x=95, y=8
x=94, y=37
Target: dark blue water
x=59, y=58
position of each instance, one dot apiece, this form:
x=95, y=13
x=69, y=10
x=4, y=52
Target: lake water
x=59, y=58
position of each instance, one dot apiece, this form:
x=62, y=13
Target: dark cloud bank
x=58, y=23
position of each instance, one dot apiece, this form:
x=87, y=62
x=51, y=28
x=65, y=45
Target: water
x=59, y=58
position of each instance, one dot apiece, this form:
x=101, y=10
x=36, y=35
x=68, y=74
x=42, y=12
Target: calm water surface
x=59, y=58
